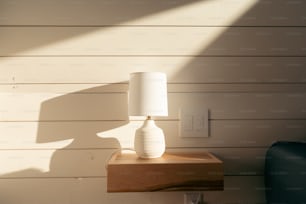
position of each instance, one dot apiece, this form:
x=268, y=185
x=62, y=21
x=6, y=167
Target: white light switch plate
x=193, y=122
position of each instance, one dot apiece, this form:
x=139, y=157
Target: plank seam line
x=154, y=55
x=145, y=26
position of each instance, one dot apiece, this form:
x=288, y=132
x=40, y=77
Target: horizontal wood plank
x=148, y=12
x=53, y=190
x=92, y=162
x=178, y=69
x=153, y=41
x=54, y=163
x=33, y=106
x=238, y=189
x=113, y=106
x=122, y=88
x=115, y=134
x=251, y=106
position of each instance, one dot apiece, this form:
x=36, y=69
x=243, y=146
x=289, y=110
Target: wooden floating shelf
x=126, y=172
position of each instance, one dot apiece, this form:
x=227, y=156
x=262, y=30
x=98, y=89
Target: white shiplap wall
x=64, y=67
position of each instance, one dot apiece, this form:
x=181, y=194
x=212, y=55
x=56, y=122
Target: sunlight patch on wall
x=217, y=15
x=199, y=13
x=25, y=163
x=24, y=106
x=138, y=41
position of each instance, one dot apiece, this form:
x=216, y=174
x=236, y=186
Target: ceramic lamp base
x=149, y=140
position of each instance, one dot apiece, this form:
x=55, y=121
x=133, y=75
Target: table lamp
x=148, y=97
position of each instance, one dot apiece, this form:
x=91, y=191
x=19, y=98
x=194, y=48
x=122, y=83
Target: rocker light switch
x=193, y=122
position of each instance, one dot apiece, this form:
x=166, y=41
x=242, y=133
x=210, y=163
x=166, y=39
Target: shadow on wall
x=77, y=117
x=99, y=106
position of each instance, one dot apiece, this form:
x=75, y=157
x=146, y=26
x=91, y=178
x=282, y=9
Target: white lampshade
x=148, y=94
x=148, y=97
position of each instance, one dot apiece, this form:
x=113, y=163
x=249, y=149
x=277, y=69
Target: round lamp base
x=149, y=140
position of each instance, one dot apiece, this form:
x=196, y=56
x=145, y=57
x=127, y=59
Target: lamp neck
x=149, y=123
